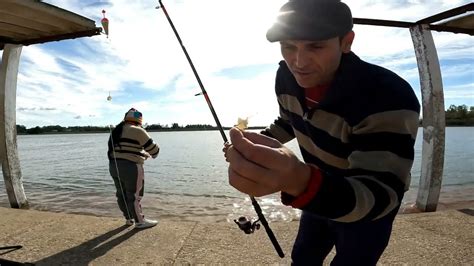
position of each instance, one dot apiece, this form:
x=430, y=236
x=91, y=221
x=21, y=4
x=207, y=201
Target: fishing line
x=105, y=25
x=118, y=174
x=243, y=223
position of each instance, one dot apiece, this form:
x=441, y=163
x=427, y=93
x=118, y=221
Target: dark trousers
x=129, y=184
x=359, y=243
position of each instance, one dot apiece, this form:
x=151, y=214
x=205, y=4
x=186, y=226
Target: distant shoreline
x=455, y=116
x=161, y=130
x=148, y=130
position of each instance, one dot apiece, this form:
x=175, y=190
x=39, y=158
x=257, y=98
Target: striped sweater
x=134, y=145
x=359, y=140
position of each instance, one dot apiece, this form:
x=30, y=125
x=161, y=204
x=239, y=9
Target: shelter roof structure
x=456, y=20
x=28, y=22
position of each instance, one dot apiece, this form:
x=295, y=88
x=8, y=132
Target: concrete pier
x=438, y=238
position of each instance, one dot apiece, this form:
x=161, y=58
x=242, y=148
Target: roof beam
x=48, y=18
x=38, y=7
x=403, y=24
x=382, y=22
x=73, y=35
x=447, y=14
x=28, y=22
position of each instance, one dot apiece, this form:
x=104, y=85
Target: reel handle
x=246, y=225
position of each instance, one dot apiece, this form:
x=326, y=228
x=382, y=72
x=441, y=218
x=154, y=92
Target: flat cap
x=311, y=20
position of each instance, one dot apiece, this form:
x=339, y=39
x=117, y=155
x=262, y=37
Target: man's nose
x=301, y=59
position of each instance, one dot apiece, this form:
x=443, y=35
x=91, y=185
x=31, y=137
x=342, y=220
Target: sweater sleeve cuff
x=311, y=190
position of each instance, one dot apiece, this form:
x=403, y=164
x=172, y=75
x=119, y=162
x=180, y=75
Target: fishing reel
x=246, y=225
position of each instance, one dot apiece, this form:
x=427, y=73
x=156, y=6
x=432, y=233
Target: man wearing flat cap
x=356, y=125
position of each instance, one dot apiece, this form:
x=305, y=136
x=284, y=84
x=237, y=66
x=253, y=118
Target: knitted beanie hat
x=311, y=20
x=133, y=115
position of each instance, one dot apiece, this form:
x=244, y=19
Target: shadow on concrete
x=11, y=262
x=14, y=263
x=9, y=249
x=90, y=250
x=467, y=211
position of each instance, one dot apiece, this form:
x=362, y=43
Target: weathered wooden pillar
x=8, y=147
x=432, y=161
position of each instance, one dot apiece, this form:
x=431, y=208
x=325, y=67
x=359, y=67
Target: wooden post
x=8, y=147
x=432, y=161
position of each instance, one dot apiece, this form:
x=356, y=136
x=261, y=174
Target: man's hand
x=260, y=165
x=147, y=155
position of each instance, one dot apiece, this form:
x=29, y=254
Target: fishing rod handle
x=269, y=231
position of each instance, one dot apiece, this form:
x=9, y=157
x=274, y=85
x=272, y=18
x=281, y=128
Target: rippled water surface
x=188, y=180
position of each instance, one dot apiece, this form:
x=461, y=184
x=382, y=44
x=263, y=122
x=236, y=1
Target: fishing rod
x=243, y=222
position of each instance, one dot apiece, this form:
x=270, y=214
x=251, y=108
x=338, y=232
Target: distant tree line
x=176, y=126
x=455, y=116
x=460, y=115
x=20, y=129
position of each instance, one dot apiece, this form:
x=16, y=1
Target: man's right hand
x=260, y=165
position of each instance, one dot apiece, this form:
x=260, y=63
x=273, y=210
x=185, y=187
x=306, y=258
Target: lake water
x=188, y=180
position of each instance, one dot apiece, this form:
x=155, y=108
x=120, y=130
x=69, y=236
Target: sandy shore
x=439, y=238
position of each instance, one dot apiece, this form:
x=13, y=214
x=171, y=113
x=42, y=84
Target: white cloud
x=218, y=34
x=461, y=92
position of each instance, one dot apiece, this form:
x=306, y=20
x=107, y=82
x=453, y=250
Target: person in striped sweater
x=129, y=146
x=356, y=125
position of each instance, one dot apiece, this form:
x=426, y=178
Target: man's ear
x=346, y=42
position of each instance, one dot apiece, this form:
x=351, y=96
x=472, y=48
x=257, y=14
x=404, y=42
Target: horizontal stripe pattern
x=397, y=121
x=325, y=141
x=280, y=130
x=365, y=200
x=392, y=195
x=134, y=143
x=305, y=142
x=401, y=145
x=332, y=124
x=381, y=161
x=152, y=148
x=361, y=136
x=290, y=103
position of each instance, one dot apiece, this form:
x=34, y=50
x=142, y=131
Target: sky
x=141, y=64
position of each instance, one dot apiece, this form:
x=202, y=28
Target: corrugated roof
x=28, y=22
